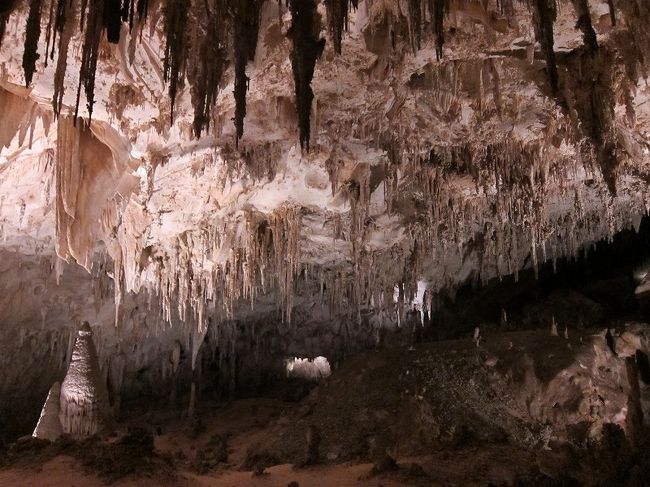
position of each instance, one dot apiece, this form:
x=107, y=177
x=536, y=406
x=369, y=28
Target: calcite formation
x=84, y=399
x=49, y=424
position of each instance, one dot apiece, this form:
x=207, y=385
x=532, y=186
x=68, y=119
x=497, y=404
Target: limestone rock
x=49, y=425
x=84, y=396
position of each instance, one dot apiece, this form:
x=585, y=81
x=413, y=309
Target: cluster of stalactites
x=589, y=74
x=544, y=16
x=176, y=14
x=264, y=257
x=196, y=44
x=337, y=19
x=420, y=15
x=209, y=60
x=197, y=38
x=94, y=16
x=437, y=10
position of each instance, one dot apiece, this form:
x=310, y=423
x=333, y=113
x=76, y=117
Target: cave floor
x=252, y=420
x=449, y=413
x=249, y=423
x=469, y=467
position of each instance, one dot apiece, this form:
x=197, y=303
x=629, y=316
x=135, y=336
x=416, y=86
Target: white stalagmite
x=84, y=396
x=49, y=425
x=554, y=328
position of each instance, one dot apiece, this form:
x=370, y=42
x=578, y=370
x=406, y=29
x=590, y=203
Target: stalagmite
x=49, y=425
x=219, y=255
x=175, y=360
x=84, y=397
x=197, y=340
x=554, y=332
x=116, y=378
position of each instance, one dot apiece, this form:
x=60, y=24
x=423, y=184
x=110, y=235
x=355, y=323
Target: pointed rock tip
x=85, y=329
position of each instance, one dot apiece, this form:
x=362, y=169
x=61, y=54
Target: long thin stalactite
x=306, y=49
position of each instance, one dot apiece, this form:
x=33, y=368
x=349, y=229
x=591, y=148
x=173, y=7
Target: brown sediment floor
x=519, y=407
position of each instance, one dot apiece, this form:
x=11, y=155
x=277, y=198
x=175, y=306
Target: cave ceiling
x=334, y=158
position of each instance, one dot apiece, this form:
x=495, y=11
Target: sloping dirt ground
x=520, y=408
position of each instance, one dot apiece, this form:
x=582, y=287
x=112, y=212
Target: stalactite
x=65, y=25
x=414, y=10
x=307, y=47
x=584, y=24
x=127, y=12
x=32, y=34
x=637, y=16
x=207, y=62
x=590, y=83
x=612, y=12
x=112, y=19
x=246, y=23
x=544, y=15
x=90, y=54
x=437, y=10
x=82, y=14
x=63, y=8
x=175, y=12
x=507, y=8
x=337, y=19
x=51, y=20
x=6, y=9
x=142, y=8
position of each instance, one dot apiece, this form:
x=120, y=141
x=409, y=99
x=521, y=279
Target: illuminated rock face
x=84, y=398
x=49, y=424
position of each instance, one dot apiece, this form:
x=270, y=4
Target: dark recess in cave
x=594, y=290
x=643, y=363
